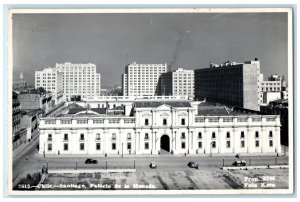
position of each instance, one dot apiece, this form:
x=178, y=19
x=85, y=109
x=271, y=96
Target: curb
x=53, y=171
x=256, y=167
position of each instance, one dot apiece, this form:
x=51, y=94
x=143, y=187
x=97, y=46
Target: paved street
x=164, y=162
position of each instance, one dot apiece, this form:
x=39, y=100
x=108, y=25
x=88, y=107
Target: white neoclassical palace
x=156, y=127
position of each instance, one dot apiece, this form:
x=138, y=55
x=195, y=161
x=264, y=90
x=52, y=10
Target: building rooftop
x=74, y=105
x=155, y=104
x=96, y=110
x=211, y=109
x=280, y=101
x=32, y=112
x=40, y=91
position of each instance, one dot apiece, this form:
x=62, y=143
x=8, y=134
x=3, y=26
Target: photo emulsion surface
x=150, y=101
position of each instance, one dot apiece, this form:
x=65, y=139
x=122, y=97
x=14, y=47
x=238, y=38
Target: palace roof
x=155, y=104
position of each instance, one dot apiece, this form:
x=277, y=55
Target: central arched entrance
x=165, y=144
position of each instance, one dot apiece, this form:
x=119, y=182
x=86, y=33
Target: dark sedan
x=91, y=161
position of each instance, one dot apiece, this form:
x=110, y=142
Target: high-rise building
x=231, y=83
x=79, y=80
x=142, y=79
x=179, y=82
x=51, y=80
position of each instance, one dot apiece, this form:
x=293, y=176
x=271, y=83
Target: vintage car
x=91, y=161
x=239, y=163
x=153, y=165
x=192, y=164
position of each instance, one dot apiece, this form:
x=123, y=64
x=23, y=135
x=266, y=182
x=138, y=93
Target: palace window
x=270, y=134
x=81, y=136
x=164, y=122
x=199, y=135
x=146, y=145
x=200, y=145
x=98, y=136
x=113, y=146
x=271, y=143
x=98, y=146
x=128, y=136
x=256, y=134
x=242, y=134
x=256, y=143
x=213, y=135
x=146, y=136
x=146, y=122
x=228, y=144
x=81, y=146
x=242, y=144
x=129, y=145
x=182, y=122
x=182, y=135
x=113, y=136
x=66, y=147
x=228, y=135
x=66, y=137
x=213, y=144
x=49, y=147
x=183, y=145
x=49, y=137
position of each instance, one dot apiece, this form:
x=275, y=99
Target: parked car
x=239, y=163
x=192, y=164
x=91, y=161
x=153, y=165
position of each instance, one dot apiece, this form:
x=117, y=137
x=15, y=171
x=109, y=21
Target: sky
x=182, y=40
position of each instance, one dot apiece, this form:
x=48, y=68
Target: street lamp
x=211, y=149
x=44, y=150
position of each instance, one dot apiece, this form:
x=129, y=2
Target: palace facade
x=155, y=127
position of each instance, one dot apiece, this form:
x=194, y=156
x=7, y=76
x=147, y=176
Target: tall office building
x=79, y=80
x=142, y=79
x=179, y=82
x=234, y=84
x=51, y=80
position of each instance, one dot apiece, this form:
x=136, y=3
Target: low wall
x=54, y=171
x=255, y=167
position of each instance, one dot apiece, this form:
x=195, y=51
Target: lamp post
x=122, y=149
x=211, y=149
x=44, y=150
x=106, y=165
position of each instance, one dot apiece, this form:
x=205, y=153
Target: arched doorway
x=165, y=143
